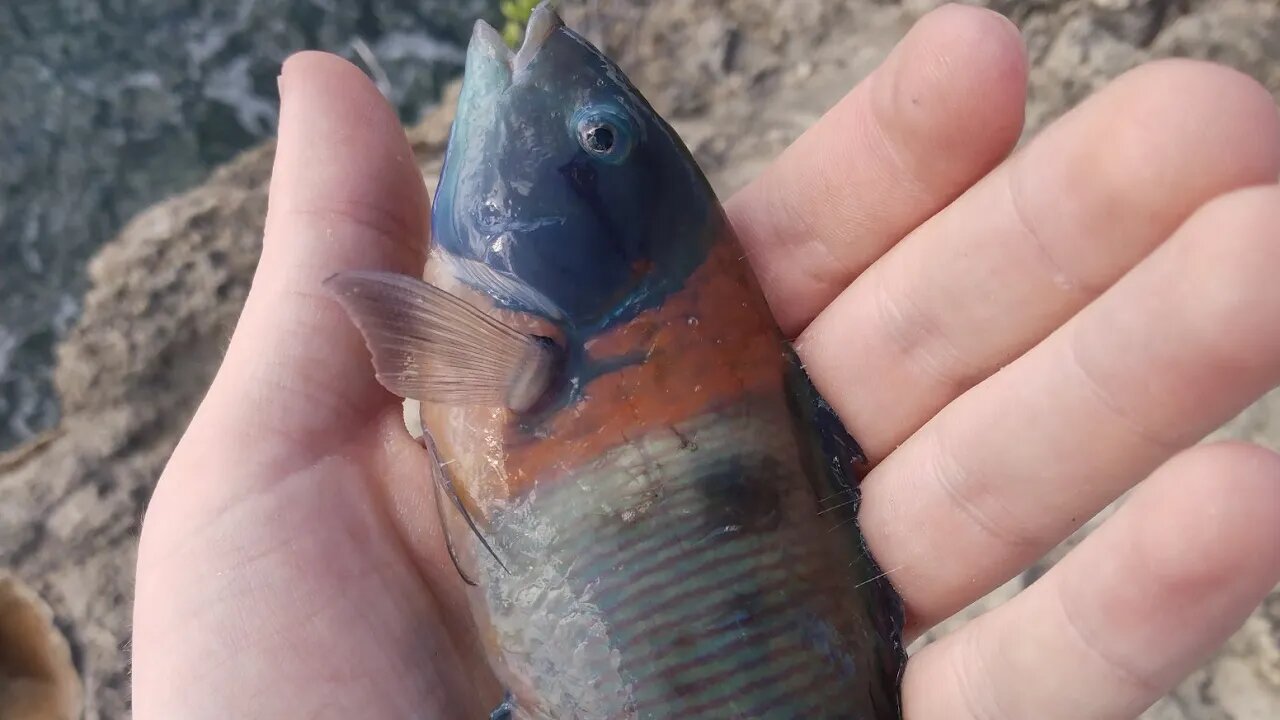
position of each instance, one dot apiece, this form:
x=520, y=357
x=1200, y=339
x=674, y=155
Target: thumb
x=345, y=193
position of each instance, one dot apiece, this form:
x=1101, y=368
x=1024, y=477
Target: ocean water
x=107, y=106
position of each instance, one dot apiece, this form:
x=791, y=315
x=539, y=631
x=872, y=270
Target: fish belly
x=687, y=574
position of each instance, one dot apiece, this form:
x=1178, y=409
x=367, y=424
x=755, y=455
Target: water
x=110, y=105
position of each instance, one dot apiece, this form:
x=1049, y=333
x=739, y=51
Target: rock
x=1238, y=33
x=162, y=302
x=37, y=678
x=166, y=292
x=724, y=72
x=109, y=106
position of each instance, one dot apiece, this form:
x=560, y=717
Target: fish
x=653, y=509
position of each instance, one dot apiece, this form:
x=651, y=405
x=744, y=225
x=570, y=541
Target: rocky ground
x=110, y=106
x=740, y=79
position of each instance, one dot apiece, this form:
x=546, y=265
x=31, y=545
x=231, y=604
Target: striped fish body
x=681, y=542
x=655, y=508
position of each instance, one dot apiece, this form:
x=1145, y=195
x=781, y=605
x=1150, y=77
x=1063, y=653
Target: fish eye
x=598, y=138
x=604, y=133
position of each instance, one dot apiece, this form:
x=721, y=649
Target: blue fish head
x=560, y=177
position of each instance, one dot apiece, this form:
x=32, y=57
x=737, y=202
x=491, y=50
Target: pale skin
x=1016, y=341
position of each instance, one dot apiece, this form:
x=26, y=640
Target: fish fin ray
x=444, y=483
x=430, y=345
x=448, y=537
x=837, y=465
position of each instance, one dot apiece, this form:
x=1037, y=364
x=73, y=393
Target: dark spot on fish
x=685, y=689
x=742, y=498
x=825, y=641
x=741, y=612
x=737, y=619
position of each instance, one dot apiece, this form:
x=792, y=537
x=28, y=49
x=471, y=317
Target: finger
x=946, y=107
x=345, y=193
x=271, y=520
x=1179, y=346
x=989, y=277
x=1130, y=612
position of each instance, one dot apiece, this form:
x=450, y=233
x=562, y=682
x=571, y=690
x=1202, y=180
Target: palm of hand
x=1074, y=318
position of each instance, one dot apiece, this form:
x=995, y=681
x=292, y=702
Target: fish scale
x=723, y=622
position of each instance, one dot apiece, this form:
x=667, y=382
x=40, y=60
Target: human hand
x=1014, y=343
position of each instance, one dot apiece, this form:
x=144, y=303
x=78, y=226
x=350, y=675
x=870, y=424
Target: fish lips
x=487, y=45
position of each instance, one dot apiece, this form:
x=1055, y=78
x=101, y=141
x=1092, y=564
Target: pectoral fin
x=432, y=346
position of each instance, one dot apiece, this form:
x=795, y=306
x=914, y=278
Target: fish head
x=561, y=177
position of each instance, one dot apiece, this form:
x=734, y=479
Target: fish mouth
x=543, y=22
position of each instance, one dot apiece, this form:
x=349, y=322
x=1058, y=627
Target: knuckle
x=979, y=698
x=915, y=335
x=976, y=496
x=1102, y=655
